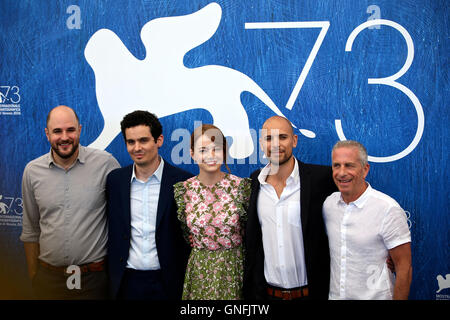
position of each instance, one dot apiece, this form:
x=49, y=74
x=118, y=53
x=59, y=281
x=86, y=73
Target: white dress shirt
x=284, y=258
x=360, y=235
x=144, y=205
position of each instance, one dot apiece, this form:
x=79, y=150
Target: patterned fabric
x=214, y=216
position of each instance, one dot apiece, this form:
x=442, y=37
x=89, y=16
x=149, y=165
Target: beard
x=66, y=155
x=280, y=161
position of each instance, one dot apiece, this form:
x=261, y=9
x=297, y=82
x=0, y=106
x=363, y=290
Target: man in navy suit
x=287, y=254
x=146, y=251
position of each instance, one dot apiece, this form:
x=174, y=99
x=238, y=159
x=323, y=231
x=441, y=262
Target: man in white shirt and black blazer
x=287, y=253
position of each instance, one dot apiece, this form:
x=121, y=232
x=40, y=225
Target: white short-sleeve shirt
x=360, y=235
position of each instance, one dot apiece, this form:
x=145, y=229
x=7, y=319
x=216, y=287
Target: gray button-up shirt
x=64, y=210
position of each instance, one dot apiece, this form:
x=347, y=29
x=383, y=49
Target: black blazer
x=173, y=251
x=316, y=183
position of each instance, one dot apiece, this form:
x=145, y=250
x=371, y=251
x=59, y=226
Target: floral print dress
x=214, y=215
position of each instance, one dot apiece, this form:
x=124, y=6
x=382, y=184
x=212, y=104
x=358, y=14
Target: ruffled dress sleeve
x=179, y=190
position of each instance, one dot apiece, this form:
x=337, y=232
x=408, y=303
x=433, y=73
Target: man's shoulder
x=314, y=167
x=97, y=153
x=317, y=172
x=98, y=160
x=40, y=161
x=254, y=175
x=176, y=172
x=119, y=173
x=382, y=198
x=321, y=176
x=332, y=198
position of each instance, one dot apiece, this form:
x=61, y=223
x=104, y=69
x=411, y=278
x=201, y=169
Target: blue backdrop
x=236, y=63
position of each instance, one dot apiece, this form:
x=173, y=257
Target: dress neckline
x=209, y=186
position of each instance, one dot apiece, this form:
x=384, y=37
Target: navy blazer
x=173, y=251
x=316, y=184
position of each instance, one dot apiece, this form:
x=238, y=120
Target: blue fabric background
x=45, y=59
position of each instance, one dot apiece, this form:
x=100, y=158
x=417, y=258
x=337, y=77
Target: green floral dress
x=214, y=216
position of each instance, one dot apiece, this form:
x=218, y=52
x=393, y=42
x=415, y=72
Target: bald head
x=278, y=122
x=62, y=109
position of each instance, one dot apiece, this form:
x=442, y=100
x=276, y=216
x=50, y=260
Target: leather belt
x=92, y=267
x=288, y=294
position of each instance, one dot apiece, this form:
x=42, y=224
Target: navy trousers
x=142, y=285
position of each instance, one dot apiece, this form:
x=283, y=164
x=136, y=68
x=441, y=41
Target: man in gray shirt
x=64, y=222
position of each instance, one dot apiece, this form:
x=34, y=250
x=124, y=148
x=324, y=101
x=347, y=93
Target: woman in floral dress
x=211, y=208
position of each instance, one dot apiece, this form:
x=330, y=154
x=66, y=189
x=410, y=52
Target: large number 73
x=388, y=81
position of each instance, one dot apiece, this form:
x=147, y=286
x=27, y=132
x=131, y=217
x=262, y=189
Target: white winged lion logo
x=162, y=84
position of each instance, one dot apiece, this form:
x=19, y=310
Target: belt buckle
x=286, y=295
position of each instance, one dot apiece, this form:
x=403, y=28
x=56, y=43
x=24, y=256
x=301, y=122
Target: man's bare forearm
x=31, y=254
x=401, y=255
x=402, y=284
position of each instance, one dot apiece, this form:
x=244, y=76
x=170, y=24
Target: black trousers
x=142, y=285
x=53, y=285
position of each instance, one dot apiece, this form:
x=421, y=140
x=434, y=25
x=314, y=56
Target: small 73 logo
x=9, y=94
x=15, y=203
